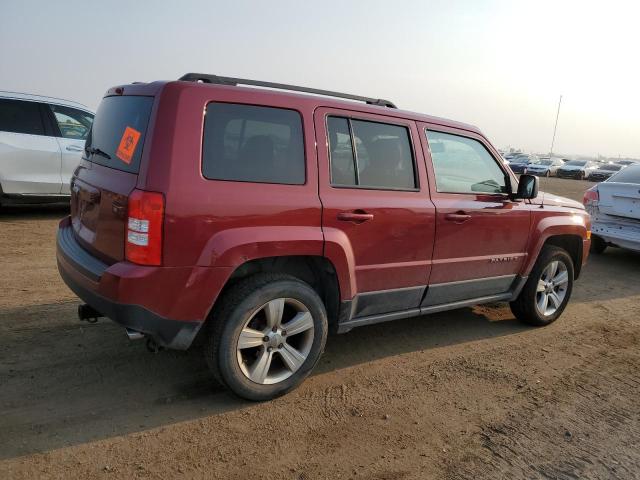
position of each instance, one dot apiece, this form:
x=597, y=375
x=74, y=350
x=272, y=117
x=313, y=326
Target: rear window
x=630, y=174
x=118, y=132
x=248, y=143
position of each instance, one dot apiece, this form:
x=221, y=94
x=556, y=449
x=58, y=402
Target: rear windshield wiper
x=97, y=151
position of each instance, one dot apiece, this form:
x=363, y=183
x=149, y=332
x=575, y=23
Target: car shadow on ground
x=66, y=384
x=34, y=212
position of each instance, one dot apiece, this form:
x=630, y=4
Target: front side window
x=18, y=116
x=73, y=123
x=370, y=154
x=463, y=165
x=248, y=143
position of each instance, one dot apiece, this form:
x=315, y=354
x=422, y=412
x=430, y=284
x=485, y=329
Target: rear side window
x=248, y=143
x=370, y=154
x=463, y=165
x=73, y=123
x=18, y=116
x=118, y=132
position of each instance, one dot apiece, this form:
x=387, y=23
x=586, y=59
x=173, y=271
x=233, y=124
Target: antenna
x=553, y=141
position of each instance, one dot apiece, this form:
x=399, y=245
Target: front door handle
x=359, y=216
x=458, y=217
x=74, y=148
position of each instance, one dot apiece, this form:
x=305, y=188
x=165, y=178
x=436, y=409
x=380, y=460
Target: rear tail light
x=144, y=228
x=591, y=197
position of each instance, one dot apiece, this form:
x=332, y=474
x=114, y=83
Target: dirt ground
x=468, y=394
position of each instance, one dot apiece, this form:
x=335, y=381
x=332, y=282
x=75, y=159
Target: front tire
x=266, y=336
x=547, y=290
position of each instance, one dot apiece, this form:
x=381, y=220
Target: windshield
x=613, y=168
x=117, y=134
x=576, y=163
x=520, y=160
x=545, y=162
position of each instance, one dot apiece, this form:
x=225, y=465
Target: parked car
x=546, y=167
x=519, y=164
x=626, y=163
x=579, y=169
x=41, y=141
x=603, y=172
x=264, y=219
x=614, y=206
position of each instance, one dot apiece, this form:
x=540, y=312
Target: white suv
x=41, y=143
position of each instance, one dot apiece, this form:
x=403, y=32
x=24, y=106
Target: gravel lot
x=468, y=394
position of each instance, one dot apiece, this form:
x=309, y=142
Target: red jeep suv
x=262, y=218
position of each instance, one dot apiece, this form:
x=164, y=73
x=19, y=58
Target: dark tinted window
x=118, y=132
x=382, y=157
x=343, y=170
x=463, y=165
x=630, y=174
x=73, y=123
x=18, y=116
x=253, y=144
x=613, y=168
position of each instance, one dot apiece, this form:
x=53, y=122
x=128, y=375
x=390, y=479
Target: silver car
x=546, y=167
x=614, y=206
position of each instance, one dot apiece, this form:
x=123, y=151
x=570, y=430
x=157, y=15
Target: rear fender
x=235, y=246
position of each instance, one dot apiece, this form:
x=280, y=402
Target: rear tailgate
x=619, y=199
x=107, y=175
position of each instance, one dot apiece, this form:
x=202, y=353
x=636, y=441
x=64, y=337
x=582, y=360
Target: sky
x=500, y=65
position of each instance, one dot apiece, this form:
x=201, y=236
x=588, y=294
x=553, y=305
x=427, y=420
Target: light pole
x=553, y=140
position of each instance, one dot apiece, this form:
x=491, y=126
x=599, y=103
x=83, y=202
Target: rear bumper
x=168, y=304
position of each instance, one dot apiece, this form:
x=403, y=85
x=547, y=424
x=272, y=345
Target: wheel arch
x=317, y=271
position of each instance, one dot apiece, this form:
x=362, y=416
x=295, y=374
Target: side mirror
x=527, y=187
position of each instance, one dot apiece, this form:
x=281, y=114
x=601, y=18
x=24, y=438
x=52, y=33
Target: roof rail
x=215, y=79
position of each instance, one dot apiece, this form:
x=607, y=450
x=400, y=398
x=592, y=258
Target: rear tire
x=551, y=278
x=598, y=245
x=249, y=349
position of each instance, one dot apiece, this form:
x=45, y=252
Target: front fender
x=546, y=226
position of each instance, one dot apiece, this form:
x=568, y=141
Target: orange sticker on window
x=128, y=144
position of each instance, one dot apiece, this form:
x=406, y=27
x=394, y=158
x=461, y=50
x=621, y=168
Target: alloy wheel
x=552, y=288
x=275, y=341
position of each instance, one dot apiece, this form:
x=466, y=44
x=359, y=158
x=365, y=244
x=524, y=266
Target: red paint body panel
x=212, y=227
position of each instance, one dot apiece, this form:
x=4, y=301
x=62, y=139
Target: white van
x=41, y=143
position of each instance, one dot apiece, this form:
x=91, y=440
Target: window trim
x=349, y=118
x=304, y=144
x=506, y=174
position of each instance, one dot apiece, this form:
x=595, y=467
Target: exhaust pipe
x=134, y=334
x=88, y=313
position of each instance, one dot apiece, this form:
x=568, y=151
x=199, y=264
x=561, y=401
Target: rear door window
x=370, y=154
x=18, y=116
x=118, y=132
x=249, y=143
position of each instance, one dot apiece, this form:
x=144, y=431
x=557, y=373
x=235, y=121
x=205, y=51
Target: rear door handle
x=358, y=216
x=458, y=217
x=74, y=148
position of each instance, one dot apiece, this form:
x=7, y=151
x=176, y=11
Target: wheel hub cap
x=552, y=288
x=275, y=341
